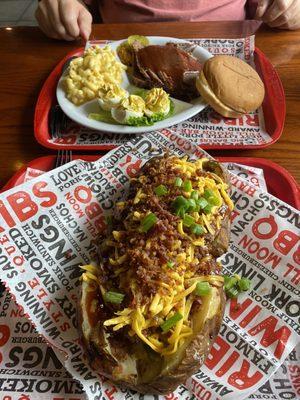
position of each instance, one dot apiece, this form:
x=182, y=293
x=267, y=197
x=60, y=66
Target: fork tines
x=63, y=157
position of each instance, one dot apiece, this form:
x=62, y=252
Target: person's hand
x=64, y=19
x=283, y=14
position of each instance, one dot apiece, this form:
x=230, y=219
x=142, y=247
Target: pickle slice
x=125, y=53
x=138, y=38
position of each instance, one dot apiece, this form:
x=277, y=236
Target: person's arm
x=282, y=14
x=64, y=19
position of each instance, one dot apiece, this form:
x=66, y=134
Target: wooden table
x=27, y=58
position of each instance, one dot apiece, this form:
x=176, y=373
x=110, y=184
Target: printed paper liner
x=47, y=230
x=279, y=181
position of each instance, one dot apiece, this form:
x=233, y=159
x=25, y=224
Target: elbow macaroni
x=89, y=73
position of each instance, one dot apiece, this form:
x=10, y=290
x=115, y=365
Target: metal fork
x=63, y=157
x=57, y=122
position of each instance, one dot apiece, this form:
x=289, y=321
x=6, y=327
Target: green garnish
x=211, y=197
x=187, y=186
x=169, y=323
x=194, y=195
x=231, y=281
x=214, y=201
x=103, y=116
x=202, y=202
x=181, y=212
x=233, y=285
x=232, y=293
x=139, y=121
x=207, y=209
x=192, y=204
x=244, y=284
x=113, y=297
x=141, y=92
x=170, y=264
x=148, y=222
x=202, y=289
x=161, y=190
x=208, y=193
x=180, y=205
x=178, y=182
x=188, y=220
x=197, y=229
x=138, y=38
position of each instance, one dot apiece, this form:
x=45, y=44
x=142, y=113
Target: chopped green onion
x=194, y=195
x=187, y=186
x=231, y=282
x=244, y=284
x=169, y=323
x=170, y=264
x=232, y=293
x=188, y=220
x=113, y=297
x=181, y=212
x=197, y=229
x=207, y=209
x=178, y=182
x=191, y=204
x=214, y=200
x=233, y=285
x=180, y=201
x=161, y=190
x=180, y=205
x=226, y=279
x=202, y=202
x=148, y=222
x=202, y=289
x=208, y=193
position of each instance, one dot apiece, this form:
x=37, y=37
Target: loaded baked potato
x=152, y=306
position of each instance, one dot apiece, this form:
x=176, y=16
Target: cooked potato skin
x=163, y=384
x=193, y=356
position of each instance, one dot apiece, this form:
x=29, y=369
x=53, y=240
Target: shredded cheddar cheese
x=143, y=317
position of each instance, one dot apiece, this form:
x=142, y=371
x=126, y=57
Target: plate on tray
x=241, y=133
x=279, y=181
x=182, y=110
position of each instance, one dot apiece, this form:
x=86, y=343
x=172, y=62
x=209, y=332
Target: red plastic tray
x=279, y=182
x=273, y=108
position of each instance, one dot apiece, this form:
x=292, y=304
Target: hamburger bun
x=230, y=86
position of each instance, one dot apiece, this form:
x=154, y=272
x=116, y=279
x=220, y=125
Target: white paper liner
x=258, y=335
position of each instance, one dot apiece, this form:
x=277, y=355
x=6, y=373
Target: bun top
x=234, y=82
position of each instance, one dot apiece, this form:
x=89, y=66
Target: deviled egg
x=131, y=107
x=157, y=101
x=110, y=95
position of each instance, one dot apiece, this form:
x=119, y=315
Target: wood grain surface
x=27, y=58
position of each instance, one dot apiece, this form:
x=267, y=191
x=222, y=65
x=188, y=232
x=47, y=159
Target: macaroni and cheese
x=89, y=73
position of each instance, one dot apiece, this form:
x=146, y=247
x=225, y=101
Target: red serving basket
x=273, y=108
x=279, y=182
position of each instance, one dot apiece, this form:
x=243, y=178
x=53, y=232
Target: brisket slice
x=166, y=67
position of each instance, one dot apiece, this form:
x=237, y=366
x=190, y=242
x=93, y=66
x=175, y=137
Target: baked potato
x=153, y=303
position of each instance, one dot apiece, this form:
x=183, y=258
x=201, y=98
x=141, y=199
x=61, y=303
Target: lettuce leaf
x=103, y=116
x=148, y=121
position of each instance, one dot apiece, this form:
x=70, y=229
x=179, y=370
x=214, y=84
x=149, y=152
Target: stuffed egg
x=110, y=95
x=157, y=101
x=131, y=107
